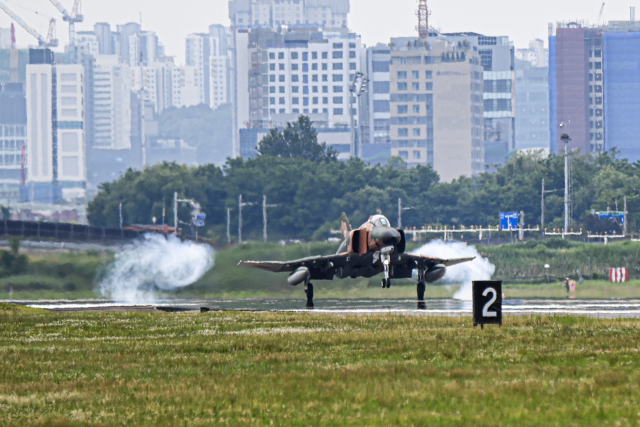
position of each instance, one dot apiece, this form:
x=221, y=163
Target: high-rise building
x=198, y=55
x=185, y=86
x=112, y=103
x=536, y=54
x=579, y=96
x=208, y=53
x=56, y=151
x=87, y=44
x=436, y=106
x=145, y=79
x=576, y=87
x=13, y=137
x=497, y=59
x=299, y=71
x=125, y=32
x=105, y=38
x=621, y=90
x=219, y=66
x=218, y=81
x=532, y=108
x=378, y=106
x=273, y=13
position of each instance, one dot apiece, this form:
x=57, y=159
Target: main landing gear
x=386, y=283
x=308, y=289
x=421, y=288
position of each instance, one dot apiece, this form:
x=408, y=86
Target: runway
x=435, y=307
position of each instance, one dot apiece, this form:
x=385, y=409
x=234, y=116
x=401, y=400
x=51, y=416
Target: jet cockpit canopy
x=380, y=221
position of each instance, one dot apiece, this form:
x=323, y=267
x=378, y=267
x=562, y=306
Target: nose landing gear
x=386, y=260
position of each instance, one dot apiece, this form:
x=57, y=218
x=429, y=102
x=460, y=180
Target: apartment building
x=56, y=149
x=436, y=106
x=111, y=103
x=295, y=72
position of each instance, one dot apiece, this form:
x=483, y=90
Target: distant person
x=566, y=284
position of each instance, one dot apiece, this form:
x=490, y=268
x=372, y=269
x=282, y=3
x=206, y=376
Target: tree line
x=312, y=188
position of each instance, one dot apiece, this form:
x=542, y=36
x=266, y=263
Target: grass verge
x=158, y=369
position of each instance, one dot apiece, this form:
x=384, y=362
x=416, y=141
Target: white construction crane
x=50, y=41
x=71, y=18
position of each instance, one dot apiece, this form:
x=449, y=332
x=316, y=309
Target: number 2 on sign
x=485, y=309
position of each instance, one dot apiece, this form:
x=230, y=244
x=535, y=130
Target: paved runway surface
x=437, y=307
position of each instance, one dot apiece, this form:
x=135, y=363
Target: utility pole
x=175, y=212
x=240, y=205
x=565, y=138
x=354, y=90
x=542, y=209
x=624, y=226
x=353, y=135
x=264, y=216
x=542, y=203
x=228, y=226
x=240, y=219
x=400, y=209
x=363, y=88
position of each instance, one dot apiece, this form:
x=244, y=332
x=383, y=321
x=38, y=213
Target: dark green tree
x=297, y=139
x=311, y=194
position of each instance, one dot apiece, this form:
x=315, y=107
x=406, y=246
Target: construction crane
x=423, y=19
x=71, y=18
x=600, y=15
x=50, y=41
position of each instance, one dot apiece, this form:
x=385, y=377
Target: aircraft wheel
x=388, y=283
x=421, y=288
x=384, y=283
x=309, y=292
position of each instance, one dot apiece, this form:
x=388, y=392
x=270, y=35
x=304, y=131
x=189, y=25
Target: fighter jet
x=374, y=248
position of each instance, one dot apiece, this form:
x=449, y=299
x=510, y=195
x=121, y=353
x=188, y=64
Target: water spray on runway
x=153, y=263
x=478, y=269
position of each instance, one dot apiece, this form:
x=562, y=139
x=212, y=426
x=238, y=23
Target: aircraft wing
x=315, y=262
x=329, y=261
x=427, y=261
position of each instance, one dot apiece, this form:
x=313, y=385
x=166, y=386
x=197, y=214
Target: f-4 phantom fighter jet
x=374, y=248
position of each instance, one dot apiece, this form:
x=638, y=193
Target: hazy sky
x=375, y=20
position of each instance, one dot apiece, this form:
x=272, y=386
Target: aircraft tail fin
x=345, y=226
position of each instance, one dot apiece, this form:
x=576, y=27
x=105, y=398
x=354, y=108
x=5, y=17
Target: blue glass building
x=622, y=93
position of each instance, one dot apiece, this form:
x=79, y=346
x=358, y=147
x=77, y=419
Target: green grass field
x=305, y=369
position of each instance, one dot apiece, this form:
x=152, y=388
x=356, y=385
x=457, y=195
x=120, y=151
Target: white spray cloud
x=152, y=263
x=463, y=274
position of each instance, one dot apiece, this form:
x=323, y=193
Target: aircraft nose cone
x=390, y=237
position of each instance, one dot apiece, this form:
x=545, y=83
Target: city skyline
x=173, y=22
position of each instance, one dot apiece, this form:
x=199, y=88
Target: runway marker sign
x=487, y=302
